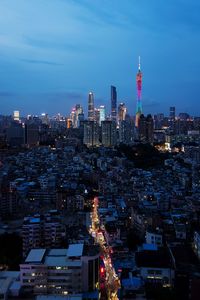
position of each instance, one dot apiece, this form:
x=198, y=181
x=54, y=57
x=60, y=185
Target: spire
x=139, y=65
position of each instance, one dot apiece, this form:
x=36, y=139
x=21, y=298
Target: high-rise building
x=16, y=115
x=121, y=112
x=102, y=113
x=97, y=115
x=91, y=107
x=149, y=128
x=76, y=116
x=172, y=113
x=126, y=132
x=108, y=130
x=78, y=112
x=113, y=103
x=91, y=133
x=146, y=127
x=73, y=116
x=139, y=90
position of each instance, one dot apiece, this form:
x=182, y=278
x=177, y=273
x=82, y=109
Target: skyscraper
x=146, y=128
x=172, y=113
x=91, y=107
x=16, y=115
x=139, y=90
x=121, y=112
x=102, y=113
x=113, y=103
x=76, y=116
x=108, y=130
x=91, y=133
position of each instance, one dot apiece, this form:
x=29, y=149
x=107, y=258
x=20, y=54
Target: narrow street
x=112, y=282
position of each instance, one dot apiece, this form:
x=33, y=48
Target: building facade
x=60, y=271
x=91, y=106
x=108, y=133
x=113, y=103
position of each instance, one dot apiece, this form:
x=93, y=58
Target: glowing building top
x=139, y=91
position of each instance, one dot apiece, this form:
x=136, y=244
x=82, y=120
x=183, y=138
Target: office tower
x=97, y=116
x=102, y=113
x=42, y=231
x=139, y=90
x=172, y=113
x=73, y=116
x=108, y=130
x=80, y=119
x=61, y=271
x=91, y=107
x=121, y=112
x=16, y=115
x=146, y=128
x=76, y=116
x=78, y=111
x=90, y=133
x=113, y=103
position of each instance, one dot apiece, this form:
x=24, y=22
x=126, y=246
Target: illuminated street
x=112, y=282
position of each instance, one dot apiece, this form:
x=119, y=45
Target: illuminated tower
x=139, y=90
x=121, y=112
x=91, y=107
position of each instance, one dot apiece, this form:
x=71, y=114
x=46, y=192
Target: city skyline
x=79, y=46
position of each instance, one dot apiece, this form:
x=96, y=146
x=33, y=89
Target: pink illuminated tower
x=139, y=90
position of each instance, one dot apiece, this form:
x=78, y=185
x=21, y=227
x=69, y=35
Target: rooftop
x=35, y=256
x=154, y=259
x=75, y=250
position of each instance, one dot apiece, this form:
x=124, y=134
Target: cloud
x=58, y=44
x=44, y=62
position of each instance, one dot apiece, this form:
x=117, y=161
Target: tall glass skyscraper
x=113, y=103
x=102, y=113
x=91, y=107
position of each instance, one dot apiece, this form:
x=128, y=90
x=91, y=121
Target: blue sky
x=53, y=52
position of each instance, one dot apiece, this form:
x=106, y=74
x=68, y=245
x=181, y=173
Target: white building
x=60, y=271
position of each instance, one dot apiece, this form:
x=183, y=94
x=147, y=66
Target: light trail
x=112, y=281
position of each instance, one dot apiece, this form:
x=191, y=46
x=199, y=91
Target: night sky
x=53, y=52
